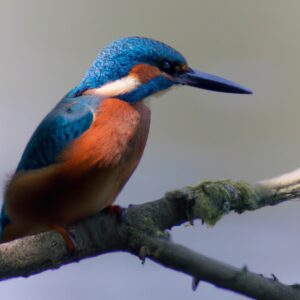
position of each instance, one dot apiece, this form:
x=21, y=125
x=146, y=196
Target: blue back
x=69, y=119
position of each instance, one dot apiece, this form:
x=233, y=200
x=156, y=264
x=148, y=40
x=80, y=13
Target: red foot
x=67, y=235
x=115, y=210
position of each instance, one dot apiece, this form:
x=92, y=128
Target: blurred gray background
x=46, y=47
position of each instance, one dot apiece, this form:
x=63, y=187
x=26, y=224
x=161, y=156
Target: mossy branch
x=142, y=232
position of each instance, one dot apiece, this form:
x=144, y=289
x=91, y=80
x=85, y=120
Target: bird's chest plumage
x=107, y=154
x=91, y=172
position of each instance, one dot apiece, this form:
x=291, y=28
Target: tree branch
x=142, y=233
x=201, y=267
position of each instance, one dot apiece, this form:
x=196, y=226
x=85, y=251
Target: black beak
x=210, y=82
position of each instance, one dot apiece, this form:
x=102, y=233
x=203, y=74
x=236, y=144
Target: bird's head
x=136, y=67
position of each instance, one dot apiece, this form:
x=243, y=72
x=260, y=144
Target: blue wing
x=69, y=119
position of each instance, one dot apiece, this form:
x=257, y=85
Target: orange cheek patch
x=144, y=73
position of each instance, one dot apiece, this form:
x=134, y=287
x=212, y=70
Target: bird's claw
x=67, y=235
x=116, y=210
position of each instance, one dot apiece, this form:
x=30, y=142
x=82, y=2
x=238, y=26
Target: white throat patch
x=124, y=85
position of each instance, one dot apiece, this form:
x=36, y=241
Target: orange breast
x=91, y=174
x=119, y=130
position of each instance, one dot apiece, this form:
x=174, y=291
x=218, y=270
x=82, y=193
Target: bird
x=84, y=151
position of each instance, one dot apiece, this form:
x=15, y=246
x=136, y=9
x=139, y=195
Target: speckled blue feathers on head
x=117, y=59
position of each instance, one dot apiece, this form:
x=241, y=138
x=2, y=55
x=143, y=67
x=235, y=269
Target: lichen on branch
x=142, y=233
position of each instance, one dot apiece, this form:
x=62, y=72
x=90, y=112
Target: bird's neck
x=116, y=88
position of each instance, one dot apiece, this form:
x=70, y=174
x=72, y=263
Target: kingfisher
x=84, y=151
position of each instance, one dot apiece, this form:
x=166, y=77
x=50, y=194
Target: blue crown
x=117, y=59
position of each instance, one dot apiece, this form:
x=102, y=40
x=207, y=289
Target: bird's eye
x=171, y=68
x=166, y=66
